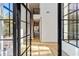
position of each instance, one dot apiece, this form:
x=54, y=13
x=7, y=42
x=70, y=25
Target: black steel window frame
x=69, y=25
x=16, y=29
x=27, y=47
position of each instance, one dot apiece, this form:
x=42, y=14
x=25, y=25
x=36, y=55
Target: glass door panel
x=25, y=31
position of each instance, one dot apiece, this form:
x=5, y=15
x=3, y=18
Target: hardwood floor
x=44, y=49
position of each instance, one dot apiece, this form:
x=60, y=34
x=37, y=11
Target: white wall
x=70, y=49
x=48, y=22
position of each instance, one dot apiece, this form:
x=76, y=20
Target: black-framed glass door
x=22, y=30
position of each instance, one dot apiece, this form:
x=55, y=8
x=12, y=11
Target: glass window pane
x=6, y=30
x=66, y=17
x=71, y=7
x=11, y=27
x=65, y=4
x=65, y=29
x=11, y=6
x=70, y=23
x=74, y=16
x=28, y=29
x=74, y=6
x=6, y=45
x=66, y=22
x=23, y=44
x=28, y=41
x=78, y=30
x=78, y=15
x=70, y=29
x=71, y=16
x=11, y=15
x=23, y=29
x=6, y=5
x=78, y=43
x=28, y=17
x=28, y=45
x=66, y=10
x=23, y=13
x=1, y=11
x=74, y=30
x=28, y=52
x=5, y=14
x=73, y=39
x=78, y=5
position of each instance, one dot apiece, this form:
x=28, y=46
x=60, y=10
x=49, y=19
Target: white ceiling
x=36, y=17
x=34, y=5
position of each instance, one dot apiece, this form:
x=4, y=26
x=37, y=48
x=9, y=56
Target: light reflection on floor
x=41, y=51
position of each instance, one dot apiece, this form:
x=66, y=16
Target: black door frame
x=16, y=31
x=59, y=31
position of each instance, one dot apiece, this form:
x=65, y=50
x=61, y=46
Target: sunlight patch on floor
x=41, y=51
